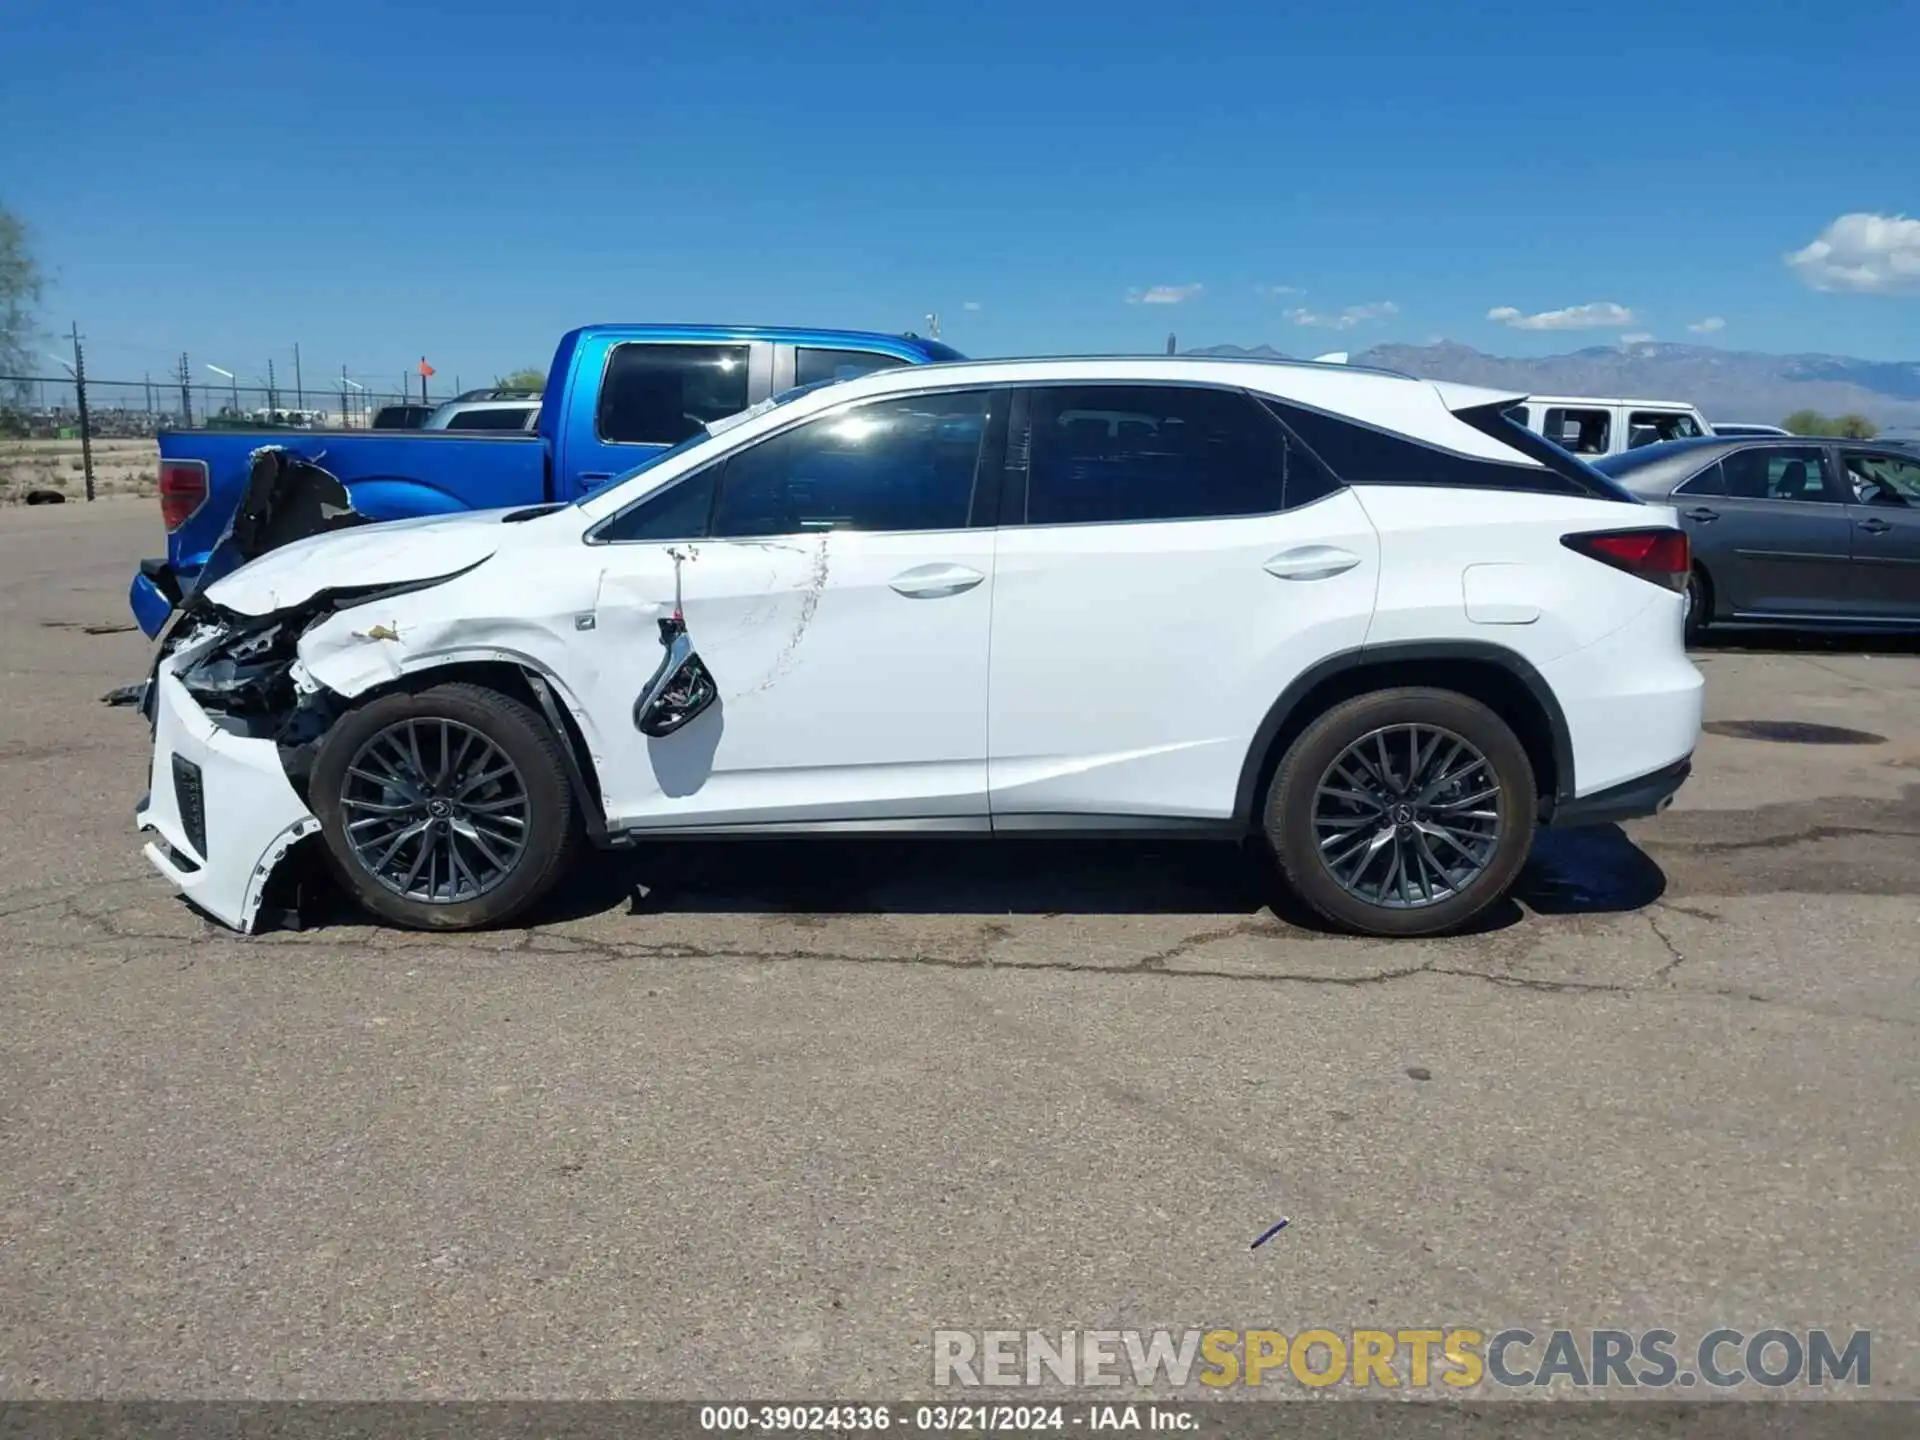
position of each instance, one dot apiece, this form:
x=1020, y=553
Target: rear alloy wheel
x=1403, y=812
x=446, y=808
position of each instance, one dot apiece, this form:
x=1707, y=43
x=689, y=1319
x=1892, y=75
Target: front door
x=836, y=588
x=1778, y=541
x=1884, y=505
x=1169, y=566
x=647, y=396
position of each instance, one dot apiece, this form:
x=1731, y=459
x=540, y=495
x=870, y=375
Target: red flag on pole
x=425, y=369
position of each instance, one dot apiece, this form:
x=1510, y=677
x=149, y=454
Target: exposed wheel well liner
x=1498, y=678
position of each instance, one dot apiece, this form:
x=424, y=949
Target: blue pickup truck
x=615, y=395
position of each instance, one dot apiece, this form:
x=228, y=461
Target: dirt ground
x=736, y=1121
x=120, y=467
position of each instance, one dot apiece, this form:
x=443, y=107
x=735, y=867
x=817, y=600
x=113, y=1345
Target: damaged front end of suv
x=236, y=723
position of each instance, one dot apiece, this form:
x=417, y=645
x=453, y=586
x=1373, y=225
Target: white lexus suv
x=1370, y=618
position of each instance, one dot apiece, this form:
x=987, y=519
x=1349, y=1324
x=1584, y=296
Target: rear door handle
x=1702, y=514
x=590, y=478
x=1875, y=526
x=1311, y=562
x=935, y=582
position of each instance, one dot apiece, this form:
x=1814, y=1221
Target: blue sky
x=375, y=182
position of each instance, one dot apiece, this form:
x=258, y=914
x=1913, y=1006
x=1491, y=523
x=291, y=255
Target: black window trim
x=1018, y=470
x=981, y=505
x=1557, y=471
x=755, y=362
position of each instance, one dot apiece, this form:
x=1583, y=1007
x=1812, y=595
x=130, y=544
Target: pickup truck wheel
x=1403, y=812
x=446, y=808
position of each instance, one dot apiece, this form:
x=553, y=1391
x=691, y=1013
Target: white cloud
x=1707, y=326
x=1345, y=319
x=1867, y=254
x=1598, y=315
x=1274, y=290
x=1638, y=337
x=974, y=305
x=1164, y=294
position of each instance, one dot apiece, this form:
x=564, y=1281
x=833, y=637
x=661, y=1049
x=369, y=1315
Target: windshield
x=705, y=433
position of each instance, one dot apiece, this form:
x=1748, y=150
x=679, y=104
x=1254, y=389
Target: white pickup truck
x=1592, y=426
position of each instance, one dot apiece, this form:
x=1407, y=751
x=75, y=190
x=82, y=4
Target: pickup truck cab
x=615, y=396
x=1593, y=426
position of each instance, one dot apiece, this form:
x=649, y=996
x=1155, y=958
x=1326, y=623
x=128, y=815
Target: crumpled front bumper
x=221, y=805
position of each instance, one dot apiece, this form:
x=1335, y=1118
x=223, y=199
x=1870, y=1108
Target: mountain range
x=1726, y=384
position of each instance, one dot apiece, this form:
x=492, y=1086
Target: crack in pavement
x=1673, y=951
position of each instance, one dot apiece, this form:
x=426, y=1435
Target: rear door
x=1167, y=563
x=1780, y=536
x=1884, y=506
x=629, y=399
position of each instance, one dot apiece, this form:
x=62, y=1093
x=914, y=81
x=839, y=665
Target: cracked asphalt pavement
x=750, y=1121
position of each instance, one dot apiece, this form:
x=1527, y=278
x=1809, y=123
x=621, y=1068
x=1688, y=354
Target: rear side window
x=1361, y=455
x=1101, y=454
x=1710, y=481
x=1659, y=425
x=1583, y=432
x=811, y=365
x=489, y=420
x=662, y=394
x=1795, y=472
x=677, y=513
x=905, y=464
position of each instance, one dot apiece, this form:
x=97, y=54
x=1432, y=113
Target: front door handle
x=1875, y=526
x=1311, y=562
x=1702, y=514
x=935, y=582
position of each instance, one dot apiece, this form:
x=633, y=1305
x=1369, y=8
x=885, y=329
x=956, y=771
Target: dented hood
x=393, y=552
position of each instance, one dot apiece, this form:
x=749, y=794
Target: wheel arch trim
x=1261, y=757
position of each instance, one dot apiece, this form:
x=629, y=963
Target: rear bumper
x=152, y=596
x=220, y=806
x=1631, y=800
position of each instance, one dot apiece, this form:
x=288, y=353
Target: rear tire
x=1425, y=780
x=1699, y=605
x=446, y=808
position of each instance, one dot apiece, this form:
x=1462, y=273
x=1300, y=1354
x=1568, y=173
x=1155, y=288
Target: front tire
x=446, y=808
x=1402, y=812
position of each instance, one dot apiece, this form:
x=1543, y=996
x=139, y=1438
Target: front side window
x=1881, y=479
x=1105, y=453
x=662, y=394
x=1652, y=427
x=901, y=464
x=1584, y=432
x=1789, y=473
x=811, y=365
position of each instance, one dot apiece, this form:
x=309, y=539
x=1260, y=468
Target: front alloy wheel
x=436, y=812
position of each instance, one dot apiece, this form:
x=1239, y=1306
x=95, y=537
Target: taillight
x=1663, y=556
x=183, y=490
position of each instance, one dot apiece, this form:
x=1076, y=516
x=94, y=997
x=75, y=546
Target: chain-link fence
x=53, y=425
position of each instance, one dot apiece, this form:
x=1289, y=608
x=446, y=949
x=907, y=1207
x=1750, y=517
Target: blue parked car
x=615, y=395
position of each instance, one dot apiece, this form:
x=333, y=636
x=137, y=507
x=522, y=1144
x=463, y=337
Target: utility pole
x=149, y=380
x=423, y=379
x=1170, y=343
x=186, y=394
x=80, y=395
x=299, y=389
x=273, y=392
